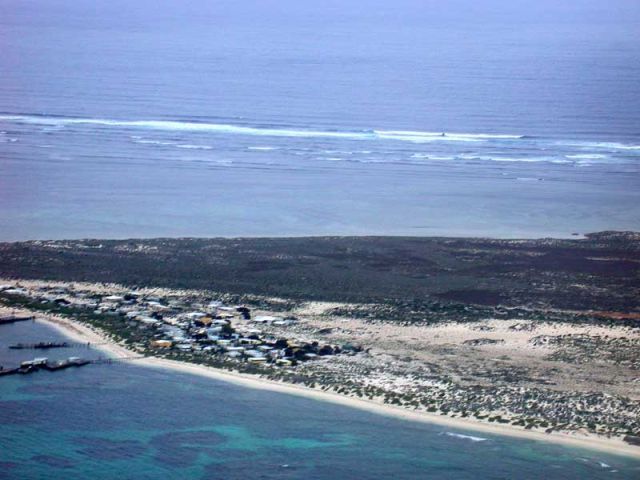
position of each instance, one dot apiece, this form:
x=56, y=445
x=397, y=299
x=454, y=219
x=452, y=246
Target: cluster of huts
x=178, y=324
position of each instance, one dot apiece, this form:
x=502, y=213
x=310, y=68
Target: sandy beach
x=83, y=333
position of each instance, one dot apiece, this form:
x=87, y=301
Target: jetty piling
x=13, y=319
x=48, y=345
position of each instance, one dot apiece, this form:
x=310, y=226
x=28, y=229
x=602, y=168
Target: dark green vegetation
x=601, y=272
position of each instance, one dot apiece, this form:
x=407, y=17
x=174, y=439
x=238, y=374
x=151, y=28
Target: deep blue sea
x=256, y=117
x=128, y=422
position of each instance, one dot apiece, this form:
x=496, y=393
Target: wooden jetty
x=37, y=364
x=62, y=364
x=47, y=345
x=109, y=361
x=14, y=319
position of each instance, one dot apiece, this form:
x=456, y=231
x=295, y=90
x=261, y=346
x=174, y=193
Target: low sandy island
x=83, y=333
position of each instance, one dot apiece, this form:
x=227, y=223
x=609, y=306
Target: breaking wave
x=195, y=147
x=465, y=437
x=171, y=125
x=420, y=137
x=188, y=146
x=586, y=156
x=143, y=141
x=602, y=145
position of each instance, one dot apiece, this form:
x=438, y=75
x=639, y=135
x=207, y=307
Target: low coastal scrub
x=503, y=401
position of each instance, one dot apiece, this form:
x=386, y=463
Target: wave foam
x=586, y=156
x=171, y=125
x=142, y=141
x=414, y=136
x=195, y=147
x=466, y=437
x=602, y=145
x=432, y=157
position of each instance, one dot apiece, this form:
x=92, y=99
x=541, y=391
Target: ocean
x=274, y=118
x=130, y=422
x=127, y=119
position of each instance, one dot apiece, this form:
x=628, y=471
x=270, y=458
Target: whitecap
x=466, y=437
x=423, y=137
x=586, y=156
x=142, y=141
x=440, y=157
x=516, y=159
x=174, y=125
x=195, y=147
x=262, y=149
x=592, y=461
x=432, y=157
x=413, y=135
x=467, y=156
x=602, y=145
x=171, y=125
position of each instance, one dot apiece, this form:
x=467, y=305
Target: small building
x=113, y=298
x=266, y=319
x=235, y=349
x=157, y=306
x=147, y=321
x=34, y=363
x=282, y=323
x=161, y=343
x=203, y=321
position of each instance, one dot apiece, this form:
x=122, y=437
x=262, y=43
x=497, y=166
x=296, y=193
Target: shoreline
x=83, y=333
x=449, y=234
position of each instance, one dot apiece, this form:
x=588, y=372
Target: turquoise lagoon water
x=123, y=421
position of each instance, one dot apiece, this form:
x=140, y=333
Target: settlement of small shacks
x=196, y=326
